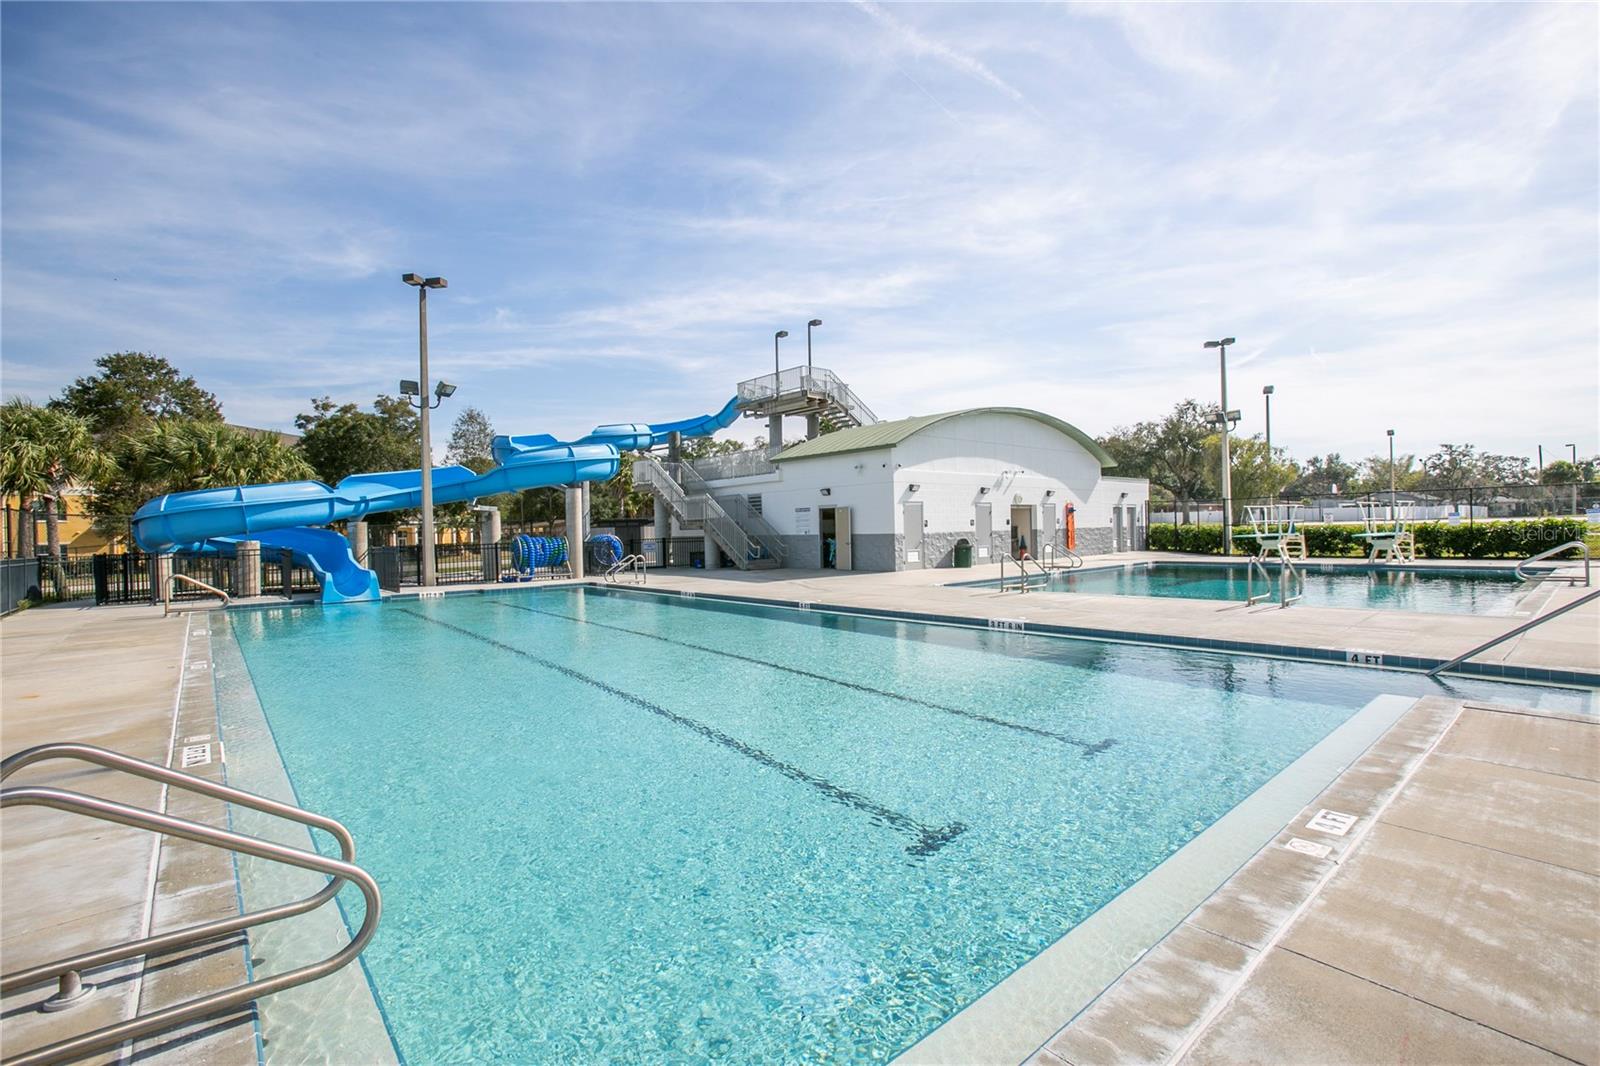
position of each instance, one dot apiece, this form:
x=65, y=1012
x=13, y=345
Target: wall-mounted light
x=827, y=492
x=983, y=490
x=1049, y=493
x=913, y=488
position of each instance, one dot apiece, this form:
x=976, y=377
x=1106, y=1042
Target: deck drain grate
x=1331, y=822
x=195, y=755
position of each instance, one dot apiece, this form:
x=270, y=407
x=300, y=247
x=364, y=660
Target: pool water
x=629, y=827
x=1457, y=592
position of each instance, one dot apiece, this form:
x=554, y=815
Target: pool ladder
x=1553, y=575
x=1022, y=571
x=628, y=564
x=1287, y=574
x=67, y=972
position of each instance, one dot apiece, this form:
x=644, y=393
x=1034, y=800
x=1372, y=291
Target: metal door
x=912, y=513
x=1116, y=532
x=1047, y=528
x=841, y=535
x=983, y=530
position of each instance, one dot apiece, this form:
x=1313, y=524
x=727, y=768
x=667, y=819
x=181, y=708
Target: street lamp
x=813, y=322
x=1227, y=474
x=1391, y=476
x=1266, y=390
x=418, y=389
x=775, y=338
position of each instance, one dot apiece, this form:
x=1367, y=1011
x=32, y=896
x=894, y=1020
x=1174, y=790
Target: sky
x=1394, y=208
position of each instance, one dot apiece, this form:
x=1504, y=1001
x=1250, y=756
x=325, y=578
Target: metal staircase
x=745, y=536
x=802, y=390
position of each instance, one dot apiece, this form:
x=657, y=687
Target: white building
x=901, y=495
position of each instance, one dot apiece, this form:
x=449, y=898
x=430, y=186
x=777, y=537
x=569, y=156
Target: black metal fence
x=1466, y=505
x=127, y=577
x=19, y=580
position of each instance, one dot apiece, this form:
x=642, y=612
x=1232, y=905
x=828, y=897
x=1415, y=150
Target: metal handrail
x=636, y=563
x=176, y=938
x=703, y=511
x=1022, y=571
x=1286, y=574
x=1254, y=565
x=166, y=598
x=1558, y=549
x=1049, y=553
x=217, y=1002
x=1523, y=628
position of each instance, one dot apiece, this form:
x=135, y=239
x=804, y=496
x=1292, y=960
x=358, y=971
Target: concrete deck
x=111, y=676
x=1457, y=920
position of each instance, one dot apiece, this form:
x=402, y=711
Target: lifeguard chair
x=1389, y=535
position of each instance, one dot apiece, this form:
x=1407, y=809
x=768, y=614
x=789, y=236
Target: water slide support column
x=575, y=531
x=774, y=434
x=247, y=568
x=663, y=529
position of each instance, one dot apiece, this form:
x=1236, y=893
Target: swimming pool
x=632, y=827
x=1493, y=592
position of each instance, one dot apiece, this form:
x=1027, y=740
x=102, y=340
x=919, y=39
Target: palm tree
x=45, y=451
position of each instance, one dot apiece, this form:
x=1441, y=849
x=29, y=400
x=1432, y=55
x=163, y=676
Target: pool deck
x=1570, y=643
x=1434, y=932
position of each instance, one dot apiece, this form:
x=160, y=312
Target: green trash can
x=963, y=554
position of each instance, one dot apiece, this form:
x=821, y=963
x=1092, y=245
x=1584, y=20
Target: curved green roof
x=888, y=434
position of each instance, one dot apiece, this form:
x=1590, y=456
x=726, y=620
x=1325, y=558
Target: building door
x=1047, y=529
x=983, y=529
x=1116, y=530
x=912, y=514
x=1136, y=541
x=841, y=530
x=1023, y=535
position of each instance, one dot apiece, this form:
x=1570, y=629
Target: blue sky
x=1394, y=208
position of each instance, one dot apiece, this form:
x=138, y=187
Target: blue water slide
x=278, y=514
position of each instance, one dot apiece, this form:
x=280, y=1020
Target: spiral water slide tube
x=286, y=515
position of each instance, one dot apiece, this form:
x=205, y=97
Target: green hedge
x=1515, y=539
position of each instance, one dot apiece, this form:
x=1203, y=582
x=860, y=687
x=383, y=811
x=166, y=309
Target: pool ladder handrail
x=1022, y=571
x=636, y=564
x=1587, y=597
x=66, y=971
x=1049, y=561
x=166, y=599
x=1552, y=575
x=1287, y=572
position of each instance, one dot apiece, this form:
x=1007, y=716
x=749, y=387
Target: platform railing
x=67, y=972
x=1557, y=550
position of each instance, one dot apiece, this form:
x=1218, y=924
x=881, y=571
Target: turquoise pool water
x=1457, y=592
x=635, y=828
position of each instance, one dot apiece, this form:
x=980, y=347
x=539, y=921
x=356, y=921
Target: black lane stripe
x=927, y=839
x=1089, y=748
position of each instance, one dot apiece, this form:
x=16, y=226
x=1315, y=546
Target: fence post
x=288, y=574
x=1472, y=508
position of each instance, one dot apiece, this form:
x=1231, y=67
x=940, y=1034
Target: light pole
x=809, y=325
x=1539, y=480
x=420, y=390
x=1266, y=390
x=776, y=337
x=1227, y=471
x=1391, y=475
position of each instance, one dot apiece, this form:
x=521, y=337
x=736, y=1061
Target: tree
x=1452, y=468
x=46, y=450
x=471, y=441
x=341, y=439
x=1375, y=474
x=1255, y=476
x=1324, y=475
x=131, y=390
x=1563, y=472
x=1170, y=452
x=177, y=456
x=1505, y=470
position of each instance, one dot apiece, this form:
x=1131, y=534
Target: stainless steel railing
x=1050, y=558
x=68, y=971
x=1587, y=597
x=166, y=597
x=747, y=538
x=1022, y=571
x=1557, y=550
x=634, y=564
